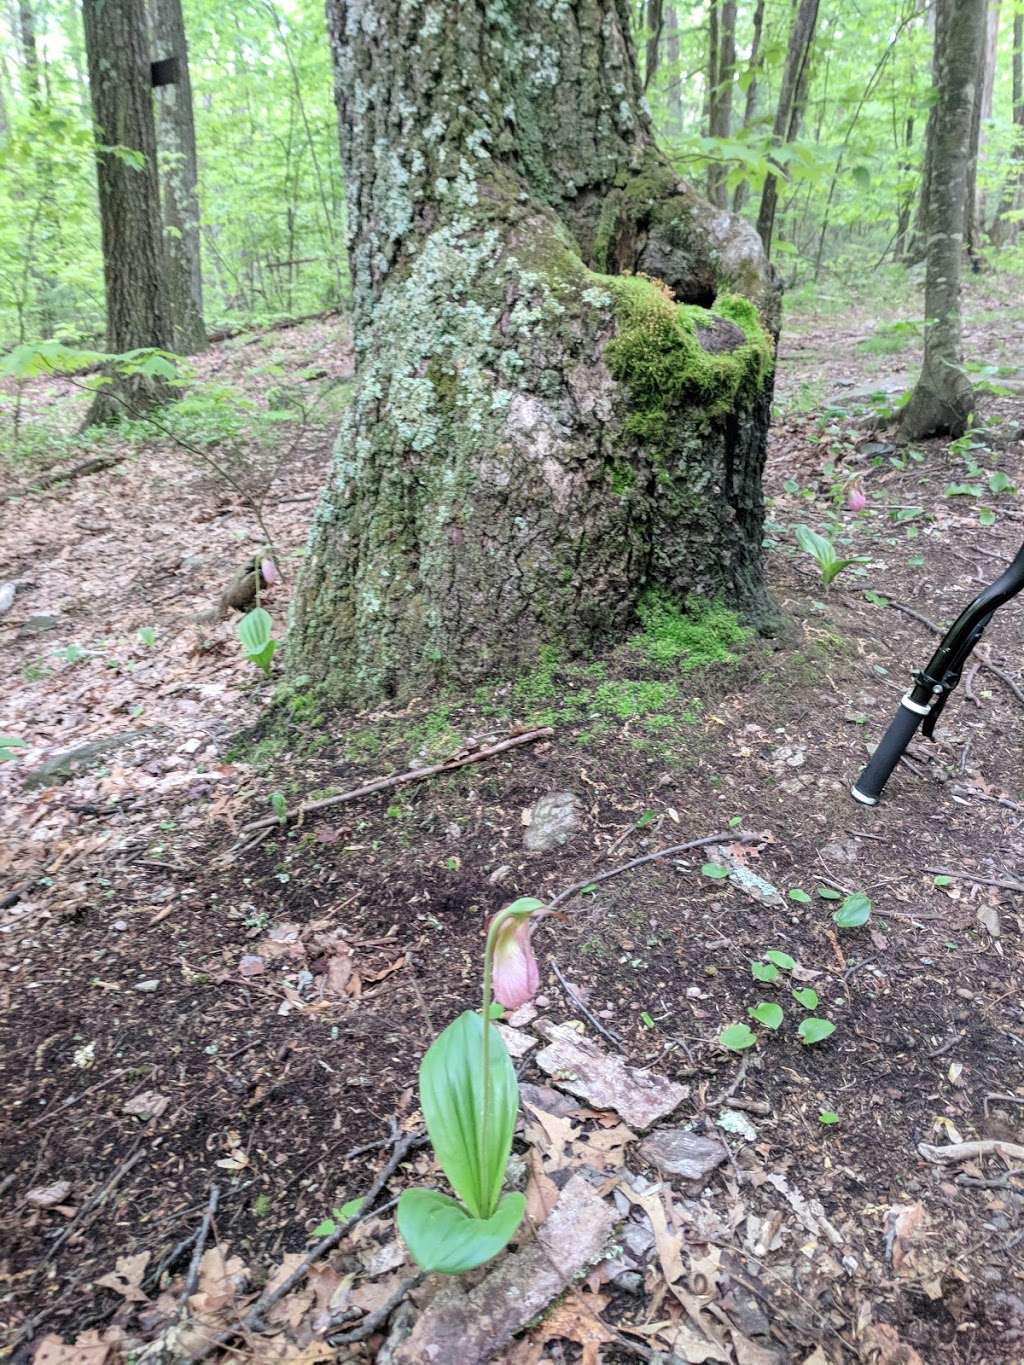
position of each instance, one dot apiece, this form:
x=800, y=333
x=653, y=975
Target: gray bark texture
x=117, y=48
x=179, y=176
x=540, y=432
x=723, y=66
x=943, y=399
x=790, y=109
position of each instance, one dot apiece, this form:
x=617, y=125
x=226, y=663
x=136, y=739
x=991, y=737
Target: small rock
x=46, y=1196
x=733, y=1121
x=606, y=1081
x=988, y=918
x=251, y=965
x=789, y=756
x=6, y=597
x=553, y=820
x=678, y=1152
x=120, y=925
x=149, y=1105
x=516, y=1041
x=629, y=1281
x=148, y=987
x=500, y=874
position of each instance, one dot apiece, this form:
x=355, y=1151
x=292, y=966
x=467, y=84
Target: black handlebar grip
x=904, y=725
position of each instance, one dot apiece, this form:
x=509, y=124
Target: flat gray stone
x=62, y=767
x=38, y=625
x=469, y=1327
x=554, y=819
x=678, y=1153
x=639, y=1096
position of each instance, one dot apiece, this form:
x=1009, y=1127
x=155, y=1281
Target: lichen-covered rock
x=538, y=434
x=554, y=819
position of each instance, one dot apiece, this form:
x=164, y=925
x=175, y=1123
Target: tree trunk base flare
x=561, y=404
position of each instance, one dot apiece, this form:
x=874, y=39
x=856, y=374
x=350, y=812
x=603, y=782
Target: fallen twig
x=956, y=1152
x=74, y=1099
x=399, y=779
x=981, y=796
x=94, y=466
x=1005, y=883
x=577, y=1003
x=92, y=1204
x=379, y=1317
x=577, y=887
x=192, y=1278
x=1003, y=677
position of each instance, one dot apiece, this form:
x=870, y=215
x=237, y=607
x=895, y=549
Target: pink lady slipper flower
x=855, y=499
x=515, y=978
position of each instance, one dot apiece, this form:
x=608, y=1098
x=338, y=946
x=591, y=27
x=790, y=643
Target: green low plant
x=854, y=911
x=823, y=552
x=255, y=630
x=470, y=1097
x=9, y=746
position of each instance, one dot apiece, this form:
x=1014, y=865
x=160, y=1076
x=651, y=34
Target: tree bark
x=29, y=51
x=179, y=176
x=652, y=53
x=742, y=190
x=1004, y=232
x=674, y=90
x=117, y=49
x=981, y=110
x=720, y=121
x=539, y=433
x=789, y=113
x=943, y=399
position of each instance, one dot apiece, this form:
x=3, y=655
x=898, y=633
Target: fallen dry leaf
x=126, y=1278
x=148, y=1105
x=576, y=1319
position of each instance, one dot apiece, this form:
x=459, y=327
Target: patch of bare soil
x=186, y=1008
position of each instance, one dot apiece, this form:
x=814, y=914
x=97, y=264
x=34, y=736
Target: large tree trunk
x=790, y=109
x=538, y=434
x=723, y=66
x=176, y=138
x=943, y=399
x=652, y=56
x=117, y=48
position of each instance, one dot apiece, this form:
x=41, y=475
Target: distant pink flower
x=515, y=978
x=855, y=499
x=269, y=571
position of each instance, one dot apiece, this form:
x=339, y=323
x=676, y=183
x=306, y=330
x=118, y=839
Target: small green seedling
x=767, y=1013
x=827, y=893
x=737, y=1037
x=854, y=911
x=801, y=897
x=763, y=971
x=815, y=1030
x=254, y=631
x=340, y=1215
x=942, y=881
x=714, y=870
x=147, y=636
x=823, y=552
x=807, y=998
x=782, y=960
x=9, y=745
x=646, y=1019
x=828, y=1117
x=279, y=806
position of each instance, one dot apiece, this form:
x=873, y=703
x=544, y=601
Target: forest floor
x=185, y=1008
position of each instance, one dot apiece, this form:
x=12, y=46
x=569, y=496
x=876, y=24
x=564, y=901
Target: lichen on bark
x=539, y=434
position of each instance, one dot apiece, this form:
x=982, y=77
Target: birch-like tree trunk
x=179, y=174
x=564, y=355
x=943, y=399
x=117, y=48
x=790, y=109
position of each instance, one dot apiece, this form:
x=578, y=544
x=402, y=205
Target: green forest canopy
x=272, y=202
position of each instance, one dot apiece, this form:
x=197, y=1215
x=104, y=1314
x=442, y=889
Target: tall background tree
x=943, y=399
x=540, y=434
x=134, y=272
x=179, y=175
x=790, y=108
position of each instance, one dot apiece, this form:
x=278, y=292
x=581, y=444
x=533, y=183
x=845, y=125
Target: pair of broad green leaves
x=456, y=1235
